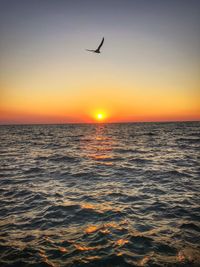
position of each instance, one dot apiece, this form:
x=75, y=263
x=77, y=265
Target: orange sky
x=148, y=69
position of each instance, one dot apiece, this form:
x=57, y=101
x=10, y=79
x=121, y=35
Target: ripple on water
x=100, y=195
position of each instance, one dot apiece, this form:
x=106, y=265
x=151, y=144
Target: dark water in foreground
x=100, y=195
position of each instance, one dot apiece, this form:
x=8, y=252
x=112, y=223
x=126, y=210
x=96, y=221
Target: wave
x=100, y=195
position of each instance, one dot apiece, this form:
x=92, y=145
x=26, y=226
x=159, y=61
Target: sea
x=102, y=195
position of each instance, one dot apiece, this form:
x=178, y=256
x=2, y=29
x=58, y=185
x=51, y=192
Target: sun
x=100, y=116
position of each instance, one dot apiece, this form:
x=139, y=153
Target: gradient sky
x=149, y=68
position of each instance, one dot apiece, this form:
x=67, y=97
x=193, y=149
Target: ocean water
x=100, y=195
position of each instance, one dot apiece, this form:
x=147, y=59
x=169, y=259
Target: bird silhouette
x=98, y=49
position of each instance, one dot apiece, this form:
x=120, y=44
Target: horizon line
x=98, y=123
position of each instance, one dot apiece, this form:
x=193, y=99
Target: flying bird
x=98, y=49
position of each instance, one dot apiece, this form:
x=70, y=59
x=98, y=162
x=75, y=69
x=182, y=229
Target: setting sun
x=100, y=116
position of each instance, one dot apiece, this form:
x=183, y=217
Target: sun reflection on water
x=100, y=147
x=91, y=193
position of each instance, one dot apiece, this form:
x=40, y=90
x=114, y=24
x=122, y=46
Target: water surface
x=100, y=195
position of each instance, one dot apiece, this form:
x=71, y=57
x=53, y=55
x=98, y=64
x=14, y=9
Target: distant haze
x=148, y=69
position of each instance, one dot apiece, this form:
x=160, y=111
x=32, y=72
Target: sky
x=149, y=68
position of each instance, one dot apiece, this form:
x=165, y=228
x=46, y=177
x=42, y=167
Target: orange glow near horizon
x=103, y=103
x=117, y=114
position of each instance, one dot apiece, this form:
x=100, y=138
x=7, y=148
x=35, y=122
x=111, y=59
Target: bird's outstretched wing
x=100, y=44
